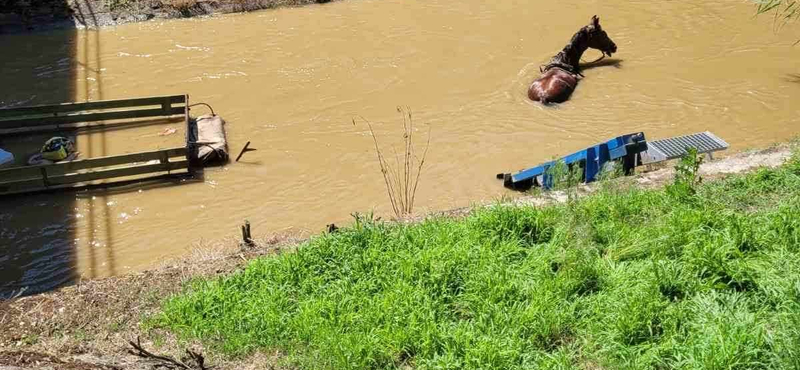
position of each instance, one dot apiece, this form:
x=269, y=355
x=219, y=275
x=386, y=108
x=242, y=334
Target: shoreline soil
x=89, y=325
x=24, y=16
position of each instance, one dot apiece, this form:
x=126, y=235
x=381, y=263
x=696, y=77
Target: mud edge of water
x=24, y=16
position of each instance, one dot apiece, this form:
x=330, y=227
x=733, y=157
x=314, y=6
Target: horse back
x=553, y=86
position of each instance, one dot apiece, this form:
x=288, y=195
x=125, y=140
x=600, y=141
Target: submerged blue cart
x=629, y=151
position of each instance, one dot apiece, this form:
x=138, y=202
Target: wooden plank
x=187, y=119
x=190, y=155
x=115, y=160
x=21, y=186
x=72, y=180
x=118, y=172
x=85, y=125
x=72, y=115
x=61, y=168
x=18, y=173
x=101, y=104
x=90, y=117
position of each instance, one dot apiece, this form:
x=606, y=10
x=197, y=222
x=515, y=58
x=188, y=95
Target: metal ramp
x=675, y=147
x=629, y=151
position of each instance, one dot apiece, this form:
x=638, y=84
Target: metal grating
x=675, y=147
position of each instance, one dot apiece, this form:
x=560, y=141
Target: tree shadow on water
x=37, y=244
x=49, y=240
x=38, y=232
x=36, y=237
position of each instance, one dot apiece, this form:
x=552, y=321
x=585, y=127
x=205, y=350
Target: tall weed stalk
x=401, y=177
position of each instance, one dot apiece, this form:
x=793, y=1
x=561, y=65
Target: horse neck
x=571, y=54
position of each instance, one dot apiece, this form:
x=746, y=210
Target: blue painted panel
x=593, y=159
x=528, y=174
x=575, y=157
x=617, y=152
x=591, y=167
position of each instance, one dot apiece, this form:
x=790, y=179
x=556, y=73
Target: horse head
x=598, y=38
x=561, y=75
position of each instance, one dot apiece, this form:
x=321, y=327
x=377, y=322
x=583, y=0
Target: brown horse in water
x=560, y=77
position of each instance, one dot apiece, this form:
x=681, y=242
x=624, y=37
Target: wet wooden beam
x=87, y=106
x=76, y=179
x=88, y=117
x=73, y=115
x=60, y=168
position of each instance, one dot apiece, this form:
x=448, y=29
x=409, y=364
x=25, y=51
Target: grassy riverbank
x=689, y=276
x=629, y=275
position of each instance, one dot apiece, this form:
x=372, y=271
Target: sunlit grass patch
x=698, y=276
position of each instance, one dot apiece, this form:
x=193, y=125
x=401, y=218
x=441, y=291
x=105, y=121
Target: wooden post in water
x=247, y=239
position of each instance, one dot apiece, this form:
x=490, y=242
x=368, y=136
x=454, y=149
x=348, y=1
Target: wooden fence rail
x=83, y=171
x=67, y=174
x=66, y=115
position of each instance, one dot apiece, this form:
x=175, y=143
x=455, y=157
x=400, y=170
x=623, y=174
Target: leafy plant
x=785, y=11
x=564, y=177
x=686, y=176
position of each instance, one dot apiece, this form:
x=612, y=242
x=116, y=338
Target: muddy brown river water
x=291, y=81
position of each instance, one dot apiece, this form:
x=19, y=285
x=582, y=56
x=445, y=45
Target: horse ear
x=595, y=21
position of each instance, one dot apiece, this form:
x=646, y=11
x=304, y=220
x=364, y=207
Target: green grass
x=693, y=277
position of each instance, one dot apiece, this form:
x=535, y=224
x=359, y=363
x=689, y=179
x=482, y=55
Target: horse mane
x=569, y=57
